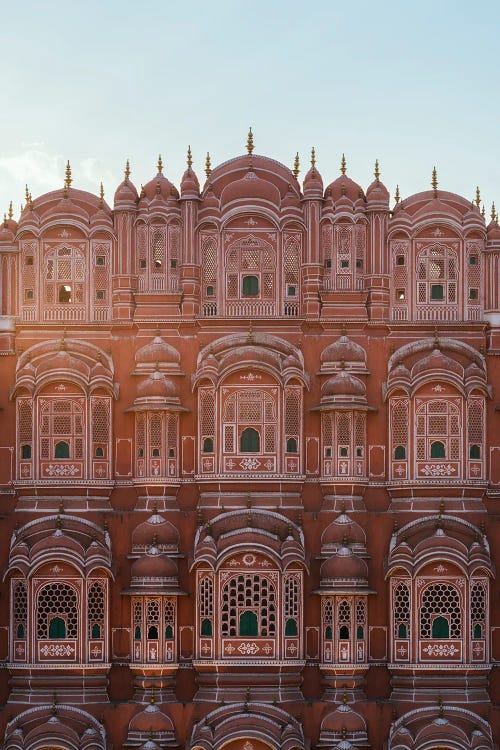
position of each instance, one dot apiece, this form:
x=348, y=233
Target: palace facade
x=250, y=466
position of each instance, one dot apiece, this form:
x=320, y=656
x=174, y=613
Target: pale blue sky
x=412, y=84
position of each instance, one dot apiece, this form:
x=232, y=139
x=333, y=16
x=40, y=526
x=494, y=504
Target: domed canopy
x=343, y=388
x=341, y=528
x=156, y=385
x=154, y=569
x=157, y=353
x=344, y=566
x=344, y=187
x=159, y=188
x=158, y=528
x=151, y=726
x=250, y=187
x=377, y=193
x=344, y=353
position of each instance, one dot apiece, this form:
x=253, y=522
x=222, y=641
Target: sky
x=414, y=84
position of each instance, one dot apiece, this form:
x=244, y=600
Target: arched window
x=437, y=273
x=26, y=451
x=440, y=627
x=291, y=627
x=440, y=601
x=206, y=626
x=61, y=450
x=344, y=633
x=153, y=633
x=96, y=610
x=208, y=445
x=57, y=627
x=400, y=453
x=250, y=441
x=475, y=451
x=248, y=624
x=328, y=632
x=291, y=445
x=169, y=633
x=57, y=612
x=437, y=449
x=137, y=633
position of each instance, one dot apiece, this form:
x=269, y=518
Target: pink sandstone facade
x=249, y=466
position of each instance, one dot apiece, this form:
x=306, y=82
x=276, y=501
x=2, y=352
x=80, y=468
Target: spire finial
x=313, y=159
x=208, y=165
x=5, y=220
x=160, y=164
x=127, y=170
x=478, y=196
x=493, y=211
x=152, y=699
x=189, y=159
x=27, y=194
x=68, y=180
x=483, y=211
x=434, y=182
x=53, y=708
x=11, y=211
x=377, y=171
x=343, y=165
x=397, y=196
x=344, y=697
x=296, y=165
x=250, y=142
x=101, y=196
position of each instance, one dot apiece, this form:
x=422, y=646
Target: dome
x=341, y=528
x=189, y=184
x=126, y=192
x=493, y=230
x=377, y=193
x=344, y=350
x=156, y=386
x=343, y=384
x=159, y=186
x=250, y=187
x=437, y=361
x=210, y=202
x=154, y=565
x=344, y=187
x=62, y=361
x=343, y=718
x=157, y=351
x=313, y=184
x=151, y=720
x=344, y=565
x=156, y=527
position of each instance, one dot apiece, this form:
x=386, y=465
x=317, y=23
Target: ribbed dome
x=160, y=188
x=189, y=183
x=341, y=528
x=344, y=350
x=157, y=351
x=377, y=193
x=343, y=384
x=154, y=565
x=313, y=184
x=156, y=527
x=250, y=187
x=156, y=385
x=343, y=718
x=436, y=361
x=493, y=231
x=63, y=361
x=126, y=192
x=151, y=720
x=342, y=187
x=344, y=565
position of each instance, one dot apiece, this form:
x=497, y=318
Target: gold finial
x=343, y=165
x=68, y=180
x=27, y=194
x=152, y=699
x=397, y=196
x=434, y=181
x=208, y=165
x=143, y=192
x=478, y=197
x=30, y=201
x=313, y=159
x=127, y=170
x=101, y=196
x=344, y=697
x=189, y=158
x=377, y=171
x=53, y=708
x=160, y=164
x=11, y=211
x=296, y=165
x=250, y=142
x=483, y=211
x=5, y=220
x=493, y=211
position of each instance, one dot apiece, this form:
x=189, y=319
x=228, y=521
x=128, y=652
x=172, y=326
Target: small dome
x=437, y=361
x=157, y=351
x=341, y=528
x=159, y=187
x=189, y=183
x=151, y=720
x=313, y=184
x=62, y=361
x=250, y=187
x=126, y=192
x=493, y=230
x=156, y=386
x=344, y=565
x=377, y=193
x=154, y=565
x=210, y=202
x=343, y=384
x=290, y=199
x=343, y=718
x=155, y=527
x=344, y=350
